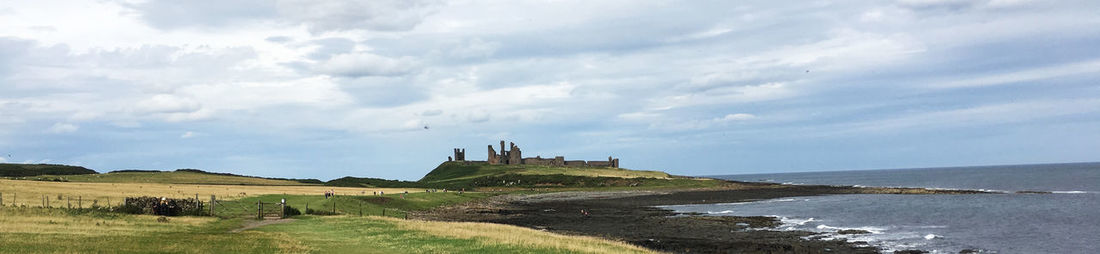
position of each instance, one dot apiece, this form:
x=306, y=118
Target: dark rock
x=910, y=252
x=853, y=232
x=969, y=251
x=1033, y=192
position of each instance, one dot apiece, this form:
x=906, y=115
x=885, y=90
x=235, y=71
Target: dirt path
x=260, y=223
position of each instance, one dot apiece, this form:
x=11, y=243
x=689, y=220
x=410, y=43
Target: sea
x=1067, y=220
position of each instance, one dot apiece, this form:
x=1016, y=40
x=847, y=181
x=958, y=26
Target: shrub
x=289, y=211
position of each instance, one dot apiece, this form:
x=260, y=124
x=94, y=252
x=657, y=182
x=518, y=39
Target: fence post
x=1, y=199
x=69, y=202
x=260, y=211
x=13, y=198
x=282, y=209
x=383, y=212
x=47, y=201
x=213, y=203
x=333, y=204
x=360, y=209
x=79, y=202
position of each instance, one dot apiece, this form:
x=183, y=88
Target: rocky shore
x=631, y=216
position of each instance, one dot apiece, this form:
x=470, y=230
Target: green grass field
x=393, y=203
x=361, y=222
x=55, y=230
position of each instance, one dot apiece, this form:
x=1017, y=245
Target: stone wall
x=577, y=163
x=493, y=158
x=556, y=161
x=172, y=207
x=515, y=156
x=599, y=164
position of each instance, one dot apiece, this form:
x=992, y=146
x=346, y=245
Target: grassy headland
x=17, y=170
x=462, y=175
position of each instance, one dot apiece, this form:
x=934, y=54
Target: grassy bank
x=395, y=203
x=42, y=230
x=346, y=234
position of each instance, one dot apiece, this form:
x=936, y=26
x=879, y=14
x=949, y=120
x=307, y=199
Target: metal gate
x=271, y=210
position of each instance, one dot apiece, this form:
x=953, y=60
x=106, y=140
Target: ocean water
x=1067, y=221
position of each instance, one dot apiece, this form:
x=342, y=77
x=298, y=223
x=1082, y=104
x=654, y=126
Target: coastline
x=634, y=217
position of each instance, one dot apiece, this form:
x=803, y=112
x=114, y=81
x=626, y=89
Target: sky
x=386, y=88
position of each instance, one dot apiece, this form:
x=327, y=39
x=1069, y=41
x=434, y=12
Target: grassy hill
x=169, y=177
x=18, y=170
x=450, y=171
x=462, y=175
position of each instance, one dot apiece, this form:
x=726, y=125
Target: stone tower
x=460, y=154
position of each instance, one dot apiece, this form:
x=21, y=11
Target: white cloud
x=366, y=64
x=1035, y=74
x=168, y=103
x=188, y=134
x=726, y=95
x=63, y=128
x=735, y=117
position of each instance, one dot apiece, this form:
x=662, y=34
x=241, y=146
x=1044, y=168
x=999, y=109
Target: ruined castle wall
x=538, y=161
x=600, y=164
x=515, y=156
x=493, y=158
x=576, y=163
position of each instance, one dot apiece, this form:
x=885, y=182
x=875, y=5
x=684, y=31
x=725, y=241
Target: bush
x=129, y=208
x=289, y=211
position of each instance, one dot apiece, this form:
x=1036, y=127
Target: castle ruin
x=514, y=156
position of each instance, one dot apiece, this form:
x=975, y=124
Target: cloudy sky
x=385, y=88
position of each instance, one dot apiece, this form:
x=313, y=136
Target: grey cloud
x=376, y=15
x=385, y=92
x=317, y=16
x=328, y=47
x=279, y=39
x=433, y=112
x=11, y=50
x=170, y=14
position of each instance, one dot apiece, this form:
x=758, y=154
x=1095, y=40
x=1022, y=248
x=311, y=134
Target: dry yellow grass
x=52, y=221
x=31, y=193
x=507, y=234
